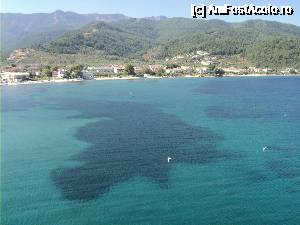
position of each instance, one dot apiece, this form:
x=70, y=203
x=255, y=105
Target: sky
x=146, y=8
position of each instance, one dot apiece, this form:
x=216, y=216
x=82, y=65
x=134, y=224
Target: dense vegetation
x=102, y=37
x=276, y=52
x=151, y=39
x=260, y=43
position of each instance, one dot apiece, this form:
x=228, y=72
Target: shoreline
x=261, y=75
x=41, y=82
x=135, y=78
x=117, y=78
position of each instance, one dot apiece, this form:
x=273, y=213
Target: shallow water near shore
x=95, y=152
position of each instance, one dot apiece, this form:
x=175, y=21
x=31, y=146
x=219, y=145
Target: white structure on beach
x=13, y=77
x=60, y=73
x=118, y=68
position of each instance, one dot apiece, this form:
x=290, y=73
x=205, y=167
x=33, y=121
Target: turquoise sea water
x=96, y=152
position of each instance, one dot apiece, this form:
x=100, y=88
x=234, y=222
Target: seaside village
x=207, y=66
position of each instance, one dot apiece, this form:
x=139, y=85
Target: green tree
x=76, y=71
x=46, y=71
x=211, y=67
x=219, y=72
x=293, y=71
x=67, y=75
x=32, y=76
x=172, y=66
x=54, y=68
x=47, y=67
x=129, y=69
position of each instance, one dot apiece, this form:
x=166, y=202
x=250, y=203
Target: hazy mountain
x=20, y=30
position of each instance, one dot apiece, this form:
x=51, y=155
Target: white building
x=118, y=68
x=267, y=70
x=185, y=68
x=288, y=71
x=156, y=67
x=138, y=70
x=13, y=77
x=59, y=74
x=174, y=70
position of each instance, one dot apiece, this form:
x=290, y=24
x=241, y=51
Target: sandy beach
x=117, y=78
x=42, y=82
x=134, y=78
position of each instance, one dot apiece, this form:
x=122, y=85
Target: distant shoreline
x=135, y=78
x=117, y=78
x=262, y=75
x=41, y=82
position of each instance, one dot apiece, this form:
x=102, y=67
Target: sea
x=182, y=151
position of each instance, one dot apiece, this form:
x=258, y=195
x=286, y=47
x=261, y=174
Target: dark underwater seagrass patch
x=135, y=142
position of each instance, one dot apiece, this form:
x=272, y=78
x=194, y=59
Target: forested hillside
x=253, y=40
x=261, y=43
x=103, y=38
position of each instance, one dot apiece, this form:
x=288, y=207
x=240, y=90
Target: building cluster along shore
x=17, y=74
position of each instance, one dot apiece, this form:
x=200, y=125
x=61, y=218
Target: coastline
x=261, y=75
x=117, y=78
x=41, y=82
x=135, y=78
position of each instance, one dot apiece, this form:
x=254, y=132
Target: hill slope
x=261, y=43
x=102, y=38
x=134, y=38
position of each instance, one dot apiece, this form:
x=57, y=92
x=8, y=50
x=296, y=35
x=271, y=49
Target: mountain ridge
x=119, y=37
x=18, y=28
